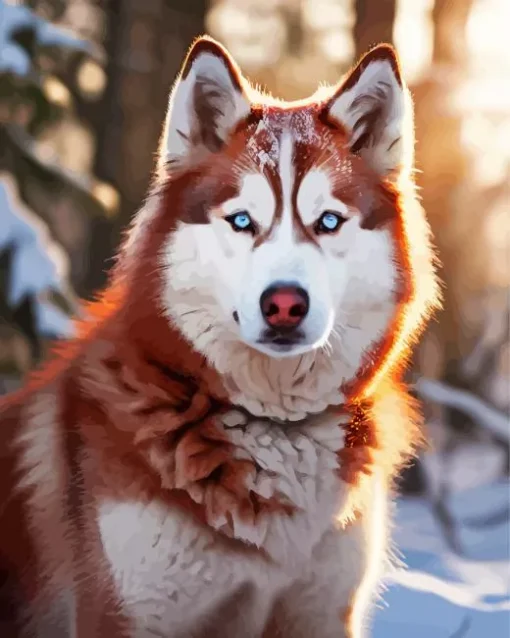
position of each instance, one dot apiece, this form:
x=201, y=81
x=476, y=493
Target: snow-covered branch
x=38, y=266
x=488, y=417
x=14, y=17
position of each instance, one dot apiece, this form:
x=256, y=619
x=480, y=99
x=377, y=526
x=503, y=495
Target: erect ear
x=206, y=103
x=373, y=105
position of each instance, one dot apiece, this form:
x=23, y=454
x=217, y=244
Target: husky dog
x=213, y=454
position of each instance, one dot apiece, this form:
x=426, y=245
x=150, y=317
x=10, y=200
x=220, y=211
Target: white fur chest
x=296, y=463
x=172, y=574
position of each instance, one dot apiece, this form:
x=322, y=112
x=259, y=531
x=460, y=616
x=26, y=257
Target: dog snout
x=284, y=306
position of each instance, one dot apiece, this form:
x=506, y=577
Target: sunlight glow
x=413, y=34
x=497, y=232
x=254, y=32
x=91, y=79
x=487, y=37
x=330, y=23
x=107, y=195
x=338, y=46
x=493, y=158
x=57, y=92
x=322, y=15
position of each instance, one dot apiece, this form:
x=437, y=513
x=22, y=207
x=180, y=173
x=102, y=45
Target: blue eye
x=241, y=222
x=329, y=222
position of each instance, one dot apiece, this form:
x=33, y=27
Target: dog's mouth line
x=281, y=342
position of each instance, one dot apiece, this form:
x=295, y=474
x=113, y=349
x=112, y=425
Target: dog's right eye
x=241, y=222
x=329, y=222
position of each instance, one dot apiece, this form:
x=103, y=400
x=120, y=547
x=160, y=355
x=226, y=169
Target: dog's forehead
x=301, y=123
x=301, y=127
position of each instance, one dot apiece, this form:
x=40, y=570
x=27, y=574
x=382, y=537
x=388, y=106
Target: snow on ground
x=443, y=595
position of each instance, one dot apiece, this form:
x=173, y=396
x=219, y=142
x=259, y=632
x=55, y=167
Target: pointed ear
x=374, y=107
x=206, y=103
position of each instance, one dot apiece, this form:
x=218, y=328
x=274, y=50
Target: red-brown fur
x=137, y=403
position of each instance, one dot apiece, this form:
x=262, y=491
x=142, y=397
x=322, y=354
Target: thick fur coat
x=213, y=454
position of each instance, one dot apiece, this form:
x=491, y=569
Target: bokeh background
x=83, y=90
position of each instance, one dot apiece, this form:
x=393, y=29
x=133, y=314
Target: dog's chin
x=285, y=344
x=277, y=350
x=281, y=347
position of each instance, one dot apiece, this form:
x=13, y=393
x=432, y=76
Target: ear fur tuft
x=207, y=101
x=373, y=105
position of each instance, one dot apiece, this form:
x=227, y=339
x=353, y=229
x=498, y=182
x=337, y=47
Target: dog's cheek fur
x=204, y=270
x=363, y=282
x=372, y=271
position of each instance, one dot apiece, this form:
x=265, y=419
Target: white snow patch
x=13, y=57
x=38, y=264
x=441, y=594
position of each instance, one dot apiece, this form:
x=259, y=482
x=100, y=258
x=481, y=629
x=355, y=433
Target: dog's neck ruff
x=283, y=390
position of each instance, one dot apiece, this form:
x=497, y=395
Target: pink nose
x=284, y=307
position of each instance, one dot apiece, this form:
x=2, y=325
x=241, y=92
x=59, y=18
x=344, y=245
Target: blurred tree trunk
x=145, y=43
x=457, y=205
x=444, y=164
x=443, y=169
x=374, y=23
x=450, y=18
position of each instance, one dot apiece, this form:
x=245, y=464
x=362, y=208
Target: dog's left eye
x=328, y=222
x=241, y=222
